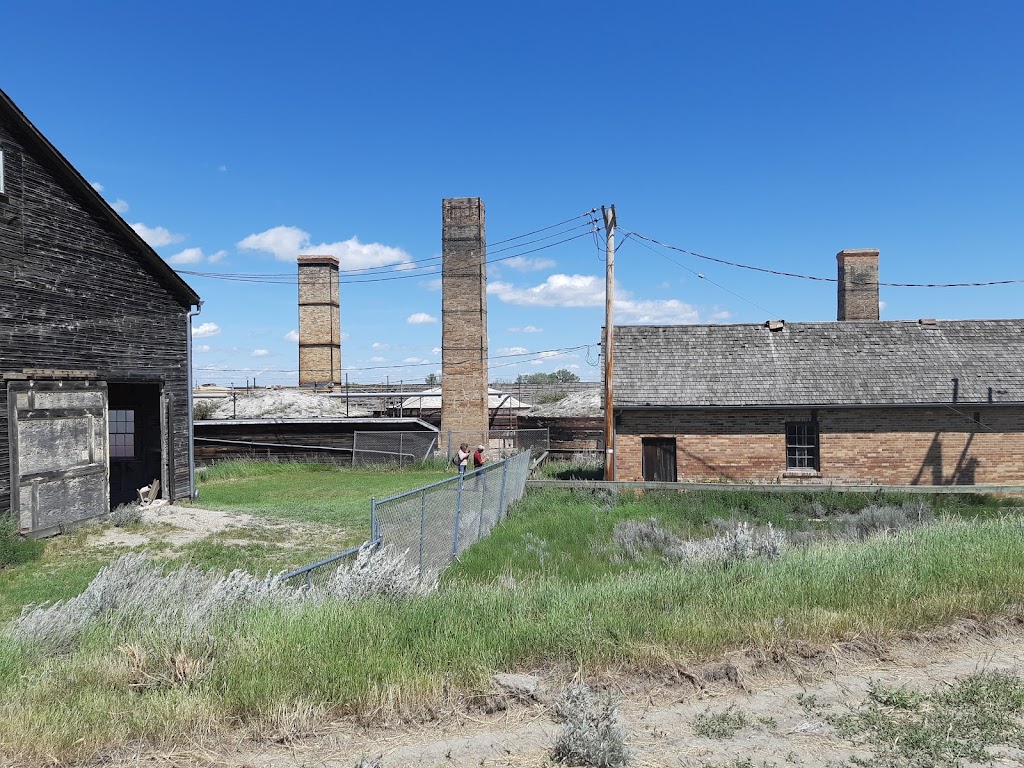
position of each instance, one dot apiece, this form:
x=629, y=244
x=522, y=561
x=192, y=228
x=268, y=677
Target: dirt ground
x=517, y=726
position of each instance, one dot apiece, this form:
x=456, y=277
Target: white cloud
x=420, y=318
x=286, y=243
x=514, y=351
x=720, y=314
x=260, y=352
x=524, y=264
x=415, y=360
x=557, y=291
x=432, y=285
x=202, y=348
x=526, y=329
x=121, y=206
x=542, y=357
x=156, y=236
x=96, y=185
x=195, y=256
x=659, y=311
x=881, y=307
x=380, y=345
x=378, y=359
x=588, y=291
x=292, y=336
x=436, y=351
x=205, y=331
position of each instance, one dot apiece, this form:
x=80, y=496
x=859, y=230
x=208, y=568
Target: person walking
x=464, y=455
x=478, y=464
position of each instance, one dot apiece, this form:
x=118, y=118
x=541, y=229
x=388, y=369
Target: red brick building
x=919, y=402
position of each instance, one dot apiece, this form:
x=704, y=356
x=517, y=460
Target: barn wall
x=892, y=446
x=76, y=295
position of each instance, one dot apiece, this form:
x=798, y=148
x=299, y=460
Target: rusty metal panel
x=59, y=452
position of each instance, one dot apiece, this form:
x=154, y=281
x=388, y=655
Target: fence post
x=373, y=518
x=501, y=497
x=458, y=514
x=423, y=527
x=448, y=449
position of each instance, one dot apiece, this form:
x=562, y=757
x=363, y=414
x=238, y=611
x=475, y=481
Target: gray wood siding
x=75, y=294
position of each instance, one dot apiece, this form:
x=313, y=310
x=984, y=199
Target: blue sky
x=235, y=135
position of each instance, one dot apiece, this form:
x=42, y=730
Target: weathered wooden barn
x=95, y=345
x=860, y=400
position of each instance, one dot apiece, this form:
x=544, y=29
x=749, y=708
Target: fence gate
x=58, y=440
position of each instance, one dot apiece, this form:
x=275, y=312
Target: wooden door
x=659, y=459
x=59, y=455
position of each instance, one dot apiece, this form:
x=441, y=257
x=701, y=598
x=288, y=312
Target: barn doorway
x=659, y=459
x=136, y=444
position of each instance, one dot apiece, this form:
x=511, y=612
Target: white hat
x=481, y=448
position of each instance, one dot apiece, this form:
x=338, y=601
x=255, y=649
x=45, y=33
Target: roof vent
x=928, y=321
x=775, y=325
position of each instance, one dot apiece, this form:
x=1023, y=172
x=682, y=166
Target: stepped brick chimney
x=463, y=319
x=319, y=321
x=858, y=284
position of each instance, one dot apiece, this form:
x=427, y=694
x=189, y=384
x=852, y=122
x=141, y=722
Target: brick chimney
x=858, y=284
x=319, y=321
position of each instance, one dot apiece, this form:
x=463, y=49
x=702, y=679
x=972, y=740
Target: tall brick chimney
x=858, y=284
x=463, y=320
x=319, y=321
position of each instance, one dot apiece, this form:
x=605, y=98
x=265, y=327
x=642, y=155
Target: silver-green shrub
x=124, y=514
x=592, y=733
x=134, y=596
x=884, y=519
x=741, y=542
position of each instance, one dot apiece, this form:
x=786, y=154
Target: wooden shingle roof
x=816, y=364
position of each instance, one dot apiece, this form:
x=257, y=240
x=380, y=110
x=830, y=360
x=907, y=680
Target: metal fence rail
x=402, y=448
x=434, y=524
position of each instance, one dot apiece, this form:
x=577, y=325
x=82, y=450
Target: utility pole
x=609, y=343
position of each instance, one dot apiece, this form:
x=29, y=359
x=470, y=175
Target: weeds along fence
x=402, y=448
x=432, y=525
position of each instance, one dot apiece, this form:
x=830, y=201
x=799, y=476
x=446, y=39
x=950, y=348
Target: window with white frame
x=802, y=445
x=122, y=434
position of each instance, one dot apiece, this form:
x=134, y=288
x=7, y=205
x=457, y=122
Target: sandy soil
x=510, y=729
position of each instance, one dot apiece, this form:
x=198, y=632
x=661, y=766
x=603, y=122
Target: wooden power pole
x=609, y=343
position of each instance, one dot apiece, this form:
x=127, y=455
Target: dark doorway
x=659, y=459
x=136, y=448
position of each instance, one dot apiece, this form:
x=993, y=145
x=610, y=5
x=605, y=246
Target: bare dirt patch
x=784, y=697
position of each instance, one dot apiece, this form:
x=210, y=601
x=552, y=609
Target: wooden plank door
x=59, y=453
x=659, y=459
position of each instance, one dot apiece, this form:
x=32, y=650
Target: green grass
x=570, y=602
x=319, y=493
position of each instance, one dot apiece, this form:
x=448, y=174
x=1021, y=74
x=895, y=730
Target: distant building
x=859, y=400
x=95, y=345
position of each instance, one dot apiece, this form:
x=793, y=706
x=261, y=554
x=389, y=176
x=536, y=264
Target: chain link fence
x=402, y=448
x=499, y=442
x=434, y=524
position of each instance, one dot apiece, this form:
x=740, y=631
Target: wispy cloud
x=287, y=243
x=121, y=206
x=96, y=185
x=378, y=359
x=202, y=348
x=156, y=236
x=196, y=256
x=260, y=352
x=292, y=336
x=513, y=351
x=416, y=361
x=527, y=264
x=205, y=330
x=526, y=329
x=420, y=318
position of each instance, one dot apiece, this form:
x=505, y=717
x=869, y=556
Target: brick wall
x=319, y=321
x=463, y=317
x=892, y=446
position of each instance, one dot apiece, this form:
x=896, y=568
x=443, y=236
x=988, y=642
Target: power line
x=816, y=277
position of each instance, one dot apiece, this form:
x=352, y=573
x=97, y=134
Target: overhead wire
x=783, y=273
